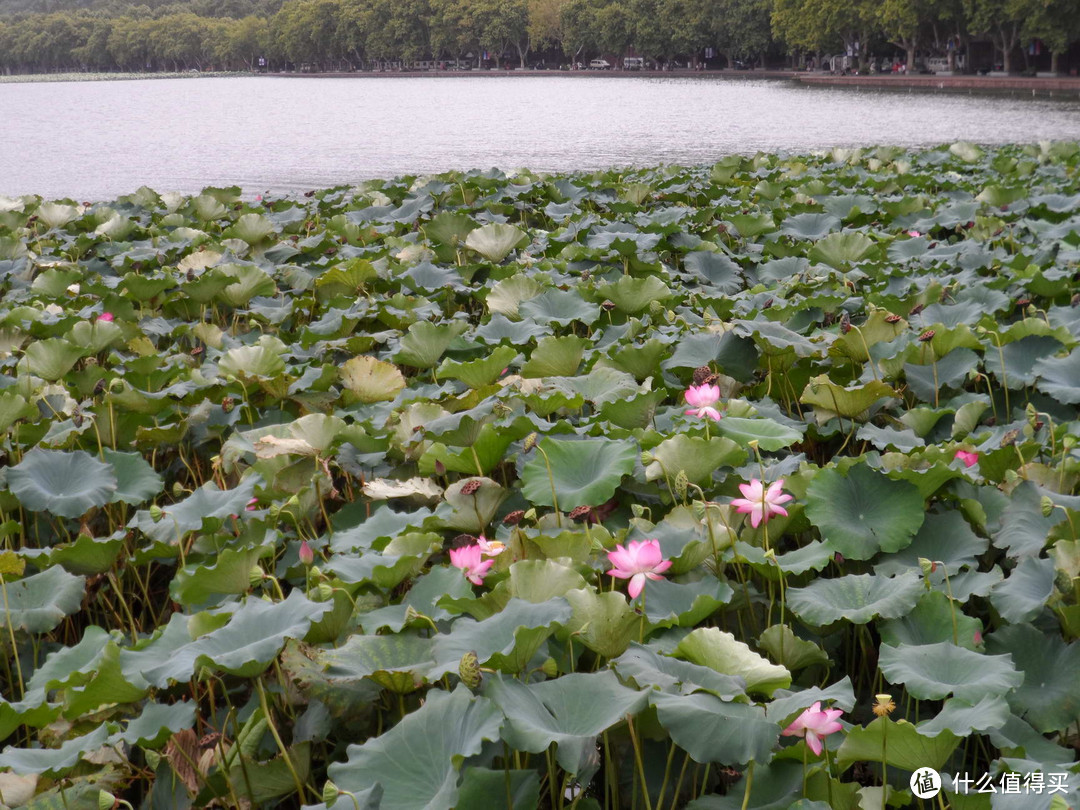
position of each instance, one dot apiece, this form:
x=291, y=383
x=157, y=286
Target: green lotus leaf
x=473, y=511
x=507, y=295
x=1024, y=529
x=251, y=228
x=1057, y=377
x=39, y=602
x=95, y=336
x=685, y=603
x=851, y=402
x=711, y=730
x=252, y=362
x=397, y=662
x=570, y=711
x=648, y=669
x=603, y=622
x=68, y=484
x=248, y=282
x=136, y=480
x=841, y=249
x=856, y=598
x=769, y=434
x=500, y=790
x=583, y=472
x=723, y=274
x=963, y=718
x=934, y=620
x=967, y=152
x=810, y=225
x=495, y=240
x=449, y=229
x=790, y=651
x=640, y=360
x=633, y=295
x=1049, y=697
x=907, y=748
x=229, y=574
x=729, y=353
x=13, y=407
x=863, y=512
x=1023, y=594
x=106, y=684
x=935, y=671
x=555, y=357
x=506, y=641
x=372, y=380
x=86, y=555
x=537, y=581
x=786, y=704
x=711, y=647
x=247, y=644
x=56, y=215
x=750, y=225
x=54, y=761
x=417, y=762
x=560, y=307
x=481, y=372
x=697, y=457
x=52, y=358
x=426, y=342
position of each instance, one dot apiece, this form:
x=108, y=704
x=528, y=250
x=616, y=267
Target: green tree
x=1002, y=21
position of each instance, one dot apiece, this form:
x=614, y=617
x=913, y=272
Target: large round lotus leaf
x=905, y=748
x=632, y=295
x=769, y=435
x=712, y=730
x=559, y=307
x=1059, y=376
x=52, y=358
x=417, y=761
x=695, y=456
x=372, y=380
x=251, y=228
x=852, y=402
x=507, y=295
x=136, y=480
x=1022, y=595
x=495, y=240
x=856, y=598
x=935, y=671
x=863, y=512
x=712, y=647
x=449, y=229
x=582, y=473
x=38, y=603
x=603, y=622
x=1049, y=697
x=397, y=662
x=935, y=619
x=426, y=342
x=68, y=484
x=256, y=362
x=810, y=225
x=838, y=249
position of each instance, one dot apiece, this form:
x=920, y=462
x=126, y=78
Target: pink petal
x=814, y=742
x=637, y=585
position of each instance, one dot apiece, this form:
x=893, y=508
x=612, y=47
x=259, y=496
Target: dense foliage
x=339, y=34
x=599, y=490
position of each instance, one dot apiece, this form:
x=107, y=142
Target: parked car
x=599, y=64
x=633, y=63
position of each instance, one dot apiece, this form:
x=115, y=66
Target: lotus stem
x=749, y=784
x=640, y=767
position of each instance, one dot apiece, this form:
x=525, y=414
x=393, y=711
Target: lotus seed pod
x=155, y=513
x=530, y=442
x=177, y=490
x=681, y=483
x=227, y=404
x=255, y=576
x=647, y=458
x=1047, y=505
x=324, y=592
x=470, y=487
x=469, y=670
x=105, y=800
x=927, y=566
x=550, y=667
x=330, y=792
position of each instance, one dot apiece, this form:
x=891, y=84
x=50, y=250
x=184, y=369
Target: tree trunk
x=910, y=47
x=1054, y=56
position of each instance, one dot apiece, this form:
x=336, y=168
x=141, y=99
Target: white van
x=633, y=63
x=599, y=64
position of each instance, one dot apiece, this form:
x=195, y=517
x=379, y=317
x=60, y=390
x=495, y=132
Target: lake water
x=97, y=140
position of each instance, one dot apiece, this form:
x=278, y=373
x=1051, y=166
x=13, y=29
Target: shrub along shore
x=738, y=486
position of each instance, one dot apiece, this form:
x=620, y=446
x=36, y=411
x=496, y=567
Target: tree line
x=356, y=34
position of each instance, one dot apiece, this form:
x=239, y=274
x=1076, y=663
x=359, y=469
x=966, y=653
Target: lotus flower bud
x=927, y=566
x=469, y=670
x=307, y=556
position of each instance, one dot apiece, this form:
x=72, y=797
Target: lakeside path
x=1057, y=87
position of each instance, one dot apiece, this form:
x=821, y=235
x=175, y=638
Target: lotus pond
x=744, y=486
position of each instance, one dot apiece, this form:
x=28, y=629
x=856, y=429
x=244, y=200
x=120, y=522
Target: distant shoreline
x=1064, y=87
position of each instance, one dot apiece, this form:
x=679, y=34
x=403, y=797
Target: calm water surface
x=97, y=140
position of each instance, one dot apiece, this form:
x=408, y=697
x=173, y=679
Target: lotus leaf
x=64, y=483
x=571, y=473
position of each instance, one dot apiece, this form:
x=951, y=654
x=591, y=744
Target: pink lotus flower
x=490, y=548
x=701, y=399
x=252, y=505
x=307, y=556
x=969, y=459
x=106, y=316
x=813, y=724
x=469, y=560
x=761, y=503
x=639, y=561
x=914, y=234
